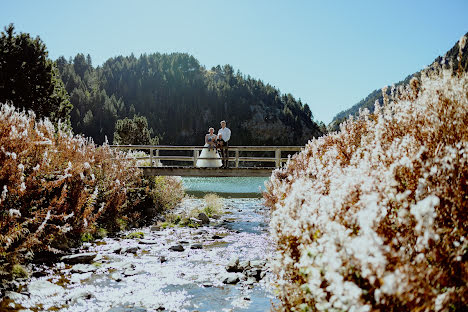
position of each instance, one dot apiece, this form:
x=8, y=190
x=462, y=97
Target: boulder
x=119, y=309
x=132, y=250
x=44, y=288
x=204, y=218
x=15, y=296
x=196, y=246
x=244, y=265
x=257, y=263
x=83, y=268
x=233, y=265
x=148, y=241
x=231, y=279
x=79, y=258
x=177, y=248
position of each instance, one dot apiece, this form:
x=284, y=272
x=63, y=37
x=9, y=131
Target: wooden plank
x=191, y=148
x=207, y=172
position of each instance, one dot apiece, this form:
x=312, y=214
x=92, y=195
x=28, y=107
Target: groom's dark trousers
x=225, y=154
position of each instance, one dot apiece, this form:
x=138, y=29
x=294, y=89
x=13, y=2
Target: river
x=169, y=269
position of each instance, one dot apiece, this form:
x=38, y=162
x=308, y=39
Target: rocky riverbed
x=221, y=266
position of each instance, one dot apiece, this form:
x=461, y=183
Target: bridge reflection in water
x=245, y=161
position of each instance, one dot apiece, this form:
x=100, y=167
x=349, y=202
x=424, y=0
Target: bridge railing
x=281, y=153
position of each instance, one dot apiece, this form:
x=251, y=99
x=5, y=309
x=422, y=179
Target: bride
x=209, y=151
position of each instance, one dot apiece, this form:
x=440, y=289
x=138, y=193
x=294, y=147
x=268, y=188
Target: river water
x=171, y=269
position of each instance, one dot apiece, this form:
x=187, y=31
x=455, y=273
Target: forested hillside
x=181, y=99
x=449, y=59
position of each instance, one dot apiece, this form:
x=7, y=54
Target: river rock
x=204, y=218
x=196, y=221
x=177, y=248
x=82, y=294
x=233, y=265
x=196, y=246
x=148, y=241
x=117, y=250
x=254, y=273
x=244, y=265
x=131, y=272
x=79, y=258
x=257, y=263
x=15, y=296
x=250, y=281
x=216, y=237
x=231, y=279
x=78, y=277
x=162, y=259
x=127, y=310
x=132, y=250
x=83, y=268
x=116, y=277
x=155, y=228
x=44, y=288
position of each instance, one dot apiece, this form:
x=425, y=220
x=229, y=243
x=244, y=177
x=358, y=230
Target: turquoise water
x=236, y=187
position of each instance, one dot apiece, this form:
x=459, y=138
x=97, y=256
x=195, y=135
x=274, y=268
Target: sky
x=330, y=54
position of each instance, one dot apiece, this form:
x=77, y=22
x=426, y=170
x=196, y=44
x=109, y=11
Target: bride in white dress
x=209, y=151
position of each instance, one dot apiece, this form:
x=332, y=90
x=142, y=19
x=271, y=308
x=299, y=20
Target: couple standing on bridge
x=213, y=144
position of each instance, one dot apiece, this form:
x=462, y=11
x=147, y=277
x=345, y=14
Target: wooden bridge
x=244, y=161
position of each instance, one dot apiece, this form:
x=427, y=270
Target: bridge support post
x=195, y=157
x=151, y=157
x=237, y=158
x=157, y=158
x=278, y=158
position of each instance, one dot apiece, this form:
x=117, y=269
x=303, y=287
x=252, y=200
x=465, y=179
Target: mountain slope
x=181, y=99
x=449, y=59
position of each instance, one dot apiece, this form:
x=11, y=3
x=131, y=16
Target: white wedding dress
x=209, y=153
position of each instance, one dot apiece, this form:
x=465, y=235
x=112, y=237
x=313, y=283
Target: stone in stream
x=15, y=296
x=44, y=288
x=132, y=250
x=79, y=258
x=231, y=279
x=257, y=263
x=196, y=246
x=83, y=268
x=155, y=228
x=134, y=309
x=177, y=248
x=81, y=294
x=131, y=272
x=148, y=241
x=254, y=273
x=196, y=221
x=116, y=277
x=204, y=218
x=244, y=265
x=216, y=237
x=233, y=265
x=162, y=259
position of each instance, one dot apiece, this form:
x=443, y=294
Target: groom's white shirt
x=226, y=133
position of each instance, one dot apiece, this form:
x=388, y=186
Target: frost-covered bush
x=55, y=187
x=374, y=217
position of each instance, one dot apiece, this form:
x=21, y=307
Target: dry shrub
x=55, y=187
x=374, y=217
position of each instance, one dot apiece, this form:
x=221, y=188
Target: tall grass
x=55, y=187
x=375, y=217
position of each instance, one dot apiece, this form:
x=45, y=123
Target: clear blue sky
x=330, y=54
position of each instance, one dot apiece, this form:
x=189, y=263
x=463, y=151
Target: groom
x=224, y=134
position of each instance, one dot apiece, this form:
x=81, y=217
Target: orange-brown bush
x=375, y=217
x=55, y=186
